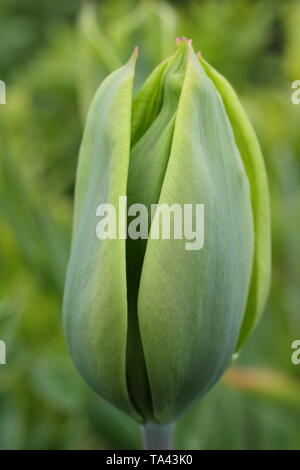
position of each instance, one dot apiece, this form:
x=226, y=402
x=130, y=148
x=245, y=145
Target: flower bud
x=150, y=324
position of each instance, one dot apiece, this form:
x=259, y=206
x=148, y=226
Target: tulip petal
x=95, y=300
x=254, y=164
x=191, y=303
x=147, y=103
x=154, y=111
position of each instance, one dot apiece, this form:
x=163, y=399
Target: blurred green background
x=52, y=57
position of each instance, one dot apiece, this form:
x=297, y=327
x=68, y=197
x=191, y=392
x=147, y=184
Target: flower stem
x=157, y=436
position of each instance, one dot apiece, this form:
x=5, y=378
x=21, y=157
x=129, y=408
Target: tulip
x=150, y=325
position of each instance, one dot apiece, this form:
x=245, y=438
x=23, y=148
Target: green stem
x=157, y=436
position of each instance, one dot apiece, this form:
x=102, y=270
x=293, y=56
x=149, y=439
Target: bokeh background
x=52, y=57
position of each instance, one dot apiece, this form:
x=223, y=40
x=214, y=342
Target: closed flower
x=150, y=325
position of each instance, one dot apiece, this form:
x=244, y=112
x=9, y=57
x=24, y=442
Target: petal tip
x=134, y=55
x=181, y=39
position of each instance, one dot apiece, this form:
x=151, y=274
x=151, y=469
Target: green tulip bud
x=152, y=325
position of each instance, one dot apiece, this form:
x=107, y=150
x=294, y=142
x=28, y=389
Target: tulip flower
x=152, y=326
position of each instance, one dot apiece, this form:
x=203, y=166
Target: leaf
x=268, y=384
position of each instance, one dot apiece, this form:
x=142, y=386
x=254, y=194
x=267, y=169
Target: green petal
x=154, y=111
x=95, y=301
x=147, y=102
x=191, y=303
x=254, y=164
